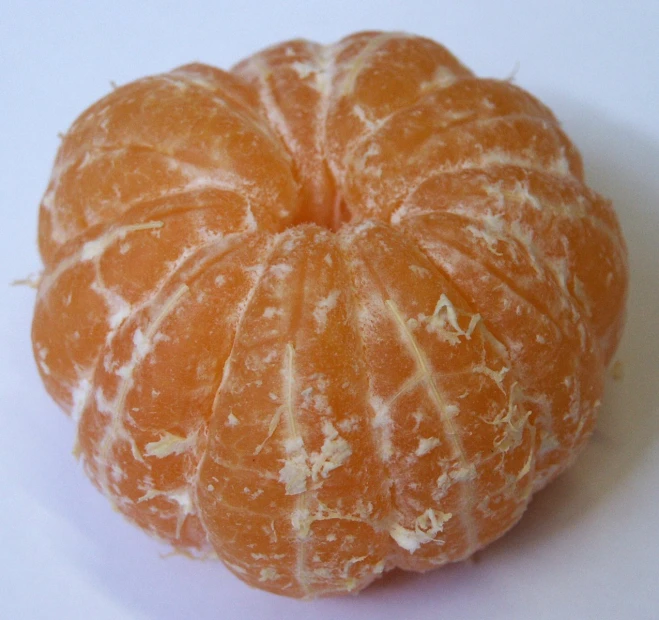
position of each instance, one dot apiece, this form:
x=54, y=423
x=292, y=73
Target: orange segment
x=176, y=132
x=290, y=440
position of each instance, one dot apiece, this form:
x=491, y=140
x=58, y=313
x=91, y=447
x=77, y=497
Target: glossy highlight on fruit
x=342, y=309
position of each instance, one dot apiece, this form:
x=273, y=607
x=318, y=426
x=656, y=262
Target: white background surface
x=588, y=546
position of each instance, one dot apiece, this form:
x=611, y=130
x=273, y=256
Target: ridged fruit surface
x=342, y=309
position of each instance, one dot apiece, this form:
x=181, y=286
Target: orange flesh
x=342, y=309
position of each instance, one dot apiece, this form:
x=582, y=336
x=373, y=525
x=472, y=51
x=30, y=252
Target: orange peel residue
x=341, y=309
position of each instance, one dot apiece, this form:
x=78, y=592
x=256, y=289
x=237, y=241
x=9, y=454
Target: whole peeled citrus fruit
x=342, y=309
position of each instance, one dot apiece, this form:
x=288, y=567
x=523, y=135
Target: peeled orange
x=342, y=309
